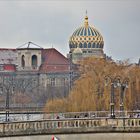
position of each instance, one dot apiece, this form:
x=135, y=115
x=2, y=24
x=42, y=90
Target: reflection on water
x=95, y=136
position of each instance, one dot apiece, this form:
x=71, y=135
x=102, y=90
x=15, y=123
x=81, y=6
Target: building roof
x=54, y=61
x=29, y=45
x=8, y=56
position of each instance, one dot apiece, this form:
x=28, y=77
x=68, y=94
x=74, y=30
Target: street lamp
x=114, y=83
x=123, y=85
x=7, y=86
x=6, y=90
x=7, y=106
x=117, y=82
x=71, y=72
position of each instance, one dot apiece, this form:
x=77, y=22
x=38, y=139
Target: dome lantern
x=86, y=21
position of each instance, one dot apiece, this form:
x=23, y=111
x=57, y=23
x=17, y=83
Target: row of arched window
x=86, y=45
x=33, y=61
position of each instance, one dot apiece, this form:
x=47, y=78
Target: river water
x=95, y=136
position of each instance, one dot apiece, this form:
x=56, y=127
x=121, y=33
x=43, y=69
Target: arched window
x=101, y=45
x=85, y=45
x=70, y=45
x=76, y=45
x=98, y=45
x=80, y=45
x=93, y=45
x=23, y=61
x=34, y=61
x=89, y=45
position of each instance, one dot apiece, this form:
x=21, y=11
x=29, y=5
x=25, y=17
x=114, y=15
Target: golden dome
x=86, y=37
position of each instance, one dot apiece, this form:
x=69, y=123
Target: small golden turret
x=86, y=20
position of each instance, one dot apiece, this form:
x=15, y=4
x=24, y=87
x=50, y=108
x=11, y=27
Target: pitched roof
x=29, y=45
x=54, y=61
x=8, y=56
x=52, y=56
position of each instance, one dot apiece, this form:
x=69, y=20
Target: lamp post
x=7, y=106
x=70, y=78
x=114, y=83
x=6, y=90
x=112, y=101
x=7, y=87
x=123, y=86
x=117, y=82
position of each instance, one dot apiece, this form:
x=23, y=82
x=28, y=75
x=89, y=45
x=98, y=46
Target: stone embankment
x=73, y=125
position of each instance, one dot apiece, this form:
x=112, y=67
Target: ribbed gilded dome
x=86, y=37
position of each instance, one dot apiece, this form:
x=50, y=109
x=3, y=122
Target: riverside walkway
x=69, y=126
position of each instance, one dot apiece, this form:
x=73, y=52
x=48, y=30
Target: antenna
x=86, y=20
x=86, y=12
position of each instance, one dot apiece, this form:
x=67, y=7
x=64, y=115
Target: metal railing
x=92, y=114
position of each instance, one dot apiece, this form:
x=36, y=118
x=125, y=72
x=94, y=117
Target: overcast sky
x=51, y=23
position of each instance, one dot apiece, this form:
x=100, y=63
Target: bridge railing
x=90, y=114
x=79, y=125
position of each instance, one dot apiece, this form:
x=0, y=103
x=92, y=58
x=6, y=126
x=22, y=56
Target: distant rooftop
x=29, y=45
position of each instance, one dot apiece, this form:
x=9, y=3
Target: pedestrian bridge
x=70, y=125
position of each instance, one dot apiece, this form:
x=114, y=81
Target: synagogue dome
x=86, y=37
